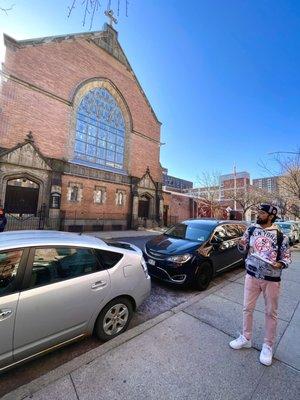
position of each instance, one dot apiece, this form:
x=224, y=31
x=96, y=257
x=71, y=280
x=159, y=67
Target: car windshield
x=285, y=226
x=190, y=231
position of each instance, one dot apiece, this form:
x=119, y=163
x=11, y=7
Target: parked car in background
x=56, y=287
x=289, y=229
x=193, y=251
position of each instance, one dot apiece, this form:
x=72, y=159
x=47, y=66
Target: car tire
x=113, y=319
x=204, y=276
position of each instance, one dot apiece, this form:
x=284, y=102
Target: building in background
x=175, y=184
x=232, y=187
x=269, y=184
x=204, y=192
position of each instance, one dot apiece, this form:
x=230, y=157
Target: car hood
x=168, y=245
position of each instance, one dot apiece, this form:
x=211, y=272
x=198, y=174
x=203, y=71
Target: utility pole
x=234, y=180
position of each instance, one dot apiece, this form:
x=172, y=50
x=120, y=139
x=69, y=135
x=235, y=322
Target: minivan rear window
x=194, y=232
x=285, y=226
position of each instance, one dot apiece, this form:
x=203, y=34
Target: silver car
x=56, y=287
x=290, y=230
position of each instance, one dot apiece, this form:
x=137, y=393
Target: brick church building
x=78, y=136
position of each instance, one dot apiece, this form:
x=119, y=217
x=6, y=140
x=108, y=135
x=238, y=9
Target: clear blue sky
x=223, y=76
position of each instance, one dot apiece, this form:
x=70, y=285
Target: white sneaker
x=266, y=355
x=240, y=342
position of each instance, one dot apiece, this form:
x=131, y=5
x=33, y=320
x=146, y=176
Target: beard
x=261, y=220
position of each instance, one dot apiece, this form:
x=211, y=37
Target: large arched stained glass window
x=100, y=131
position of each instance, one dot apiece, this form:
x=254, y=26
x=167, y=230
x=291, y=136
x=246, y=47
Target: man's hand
x=242, y=245
x=278, y=265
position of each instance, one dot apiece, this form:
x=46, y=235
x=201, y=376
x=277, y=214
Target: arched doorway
x=144, y=207
x=21, y=196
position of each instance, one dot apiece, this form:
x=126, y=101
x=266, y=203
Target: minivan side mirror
x=216, y=240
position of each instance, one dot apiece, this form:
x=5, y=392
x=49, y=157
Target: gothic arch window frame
x=81, y=91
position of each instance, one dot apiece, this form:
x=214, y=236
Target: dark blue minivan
x=193, y=251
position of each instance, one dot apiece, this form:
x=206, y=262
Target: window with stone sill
x=120, y=197
x=74, y=193
x=99, y=195
x=100, y=130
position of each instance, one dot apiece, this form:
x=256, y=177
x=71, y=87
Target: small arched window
x=100, y=131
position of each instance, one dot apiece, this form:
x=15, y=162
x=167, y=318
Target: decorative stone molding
x=92, y=173
x=26, y=155
x=74, y=192
x=100, y=195
x=120, y=197
x=108, y=41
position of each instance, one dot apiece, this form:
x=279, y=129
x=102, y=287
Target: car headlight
x=180, y=259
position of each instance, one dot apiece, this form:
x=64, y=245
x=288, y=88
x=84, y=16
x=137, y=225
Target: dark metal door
x=21, y=200
x=144, y=207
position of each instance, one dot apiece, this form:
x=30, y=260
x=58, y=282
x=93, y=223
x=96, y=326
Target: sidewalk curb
x=67, y=368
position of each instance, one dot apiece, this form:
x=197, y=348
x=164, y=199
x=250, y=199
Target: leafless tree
x=247, y=198
x=90, y=8
x=6, y=9
x=208, y=183
x=288, y=171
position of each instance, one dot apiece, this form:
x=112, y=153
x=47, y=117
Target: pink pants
x=253, y=288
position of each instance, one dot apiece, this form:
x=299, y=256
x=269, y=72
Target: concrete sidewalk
x=184, y=354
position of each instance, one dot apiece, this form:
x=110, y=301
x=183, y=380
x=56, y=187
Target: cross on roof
x=110, y=15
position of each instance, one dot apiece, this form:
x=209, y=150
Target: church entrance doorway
x=21, y=196
x=144, y=206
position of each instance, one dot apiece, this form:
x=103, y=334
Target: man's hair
x=273, y=219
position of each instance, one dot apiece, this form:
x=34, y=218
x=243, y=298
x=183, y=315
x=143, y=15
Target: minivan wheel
x=204, y=276
x=113, y=319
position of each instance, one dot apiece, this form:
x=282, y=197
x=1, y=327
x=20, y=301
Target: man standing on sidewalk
x=267, y=254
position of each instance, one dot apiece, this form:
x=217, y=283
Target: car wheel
x=204, y=276
x=113, y=319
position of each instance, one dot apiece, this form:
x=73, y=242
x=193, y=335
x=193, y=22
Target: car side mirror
x=216, y=240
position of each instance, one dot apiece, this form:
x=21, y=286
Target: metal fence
x=71, y=223
x=31, y=223
x=77, y=222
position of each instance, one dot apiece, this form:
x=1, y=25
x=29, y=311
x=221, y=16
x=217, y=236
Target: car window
x=190, y=231
x=232, y=231
x=108, y=259
x=285, y=226
x=52, y=265
x=9, y=264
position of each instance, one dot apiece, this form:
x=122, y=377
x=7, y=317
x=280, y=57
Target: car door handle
x=98, y=285
x=5, y=313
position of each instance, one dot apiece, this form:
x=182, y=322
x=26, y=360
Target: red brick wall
x=59, y=68
x=179, y=206
x=87, y=208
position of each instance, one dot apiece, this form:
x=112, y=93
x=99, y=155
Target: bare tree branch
x=288, y=195
x=6, y=9
x=90, y=7
x=247, y=199
x=208, y=183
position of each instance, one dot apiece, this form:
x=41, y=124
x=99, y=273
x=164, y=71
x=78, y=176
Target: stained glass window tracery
x=100, y=131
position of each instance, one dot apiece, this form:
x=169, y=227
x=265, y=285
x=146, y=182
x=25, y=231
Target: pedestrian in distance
x=267, y=254
x=3, y=220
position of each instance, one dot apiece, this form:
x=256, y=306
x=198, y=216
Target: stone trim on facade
x=120, y=197
x=99, y=195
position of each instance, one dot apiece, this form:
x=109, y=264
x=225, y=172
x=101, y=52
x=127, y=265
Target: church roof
x=107, y=39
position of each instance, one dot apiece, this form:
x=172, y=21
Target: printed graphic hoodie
x=263, y=246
